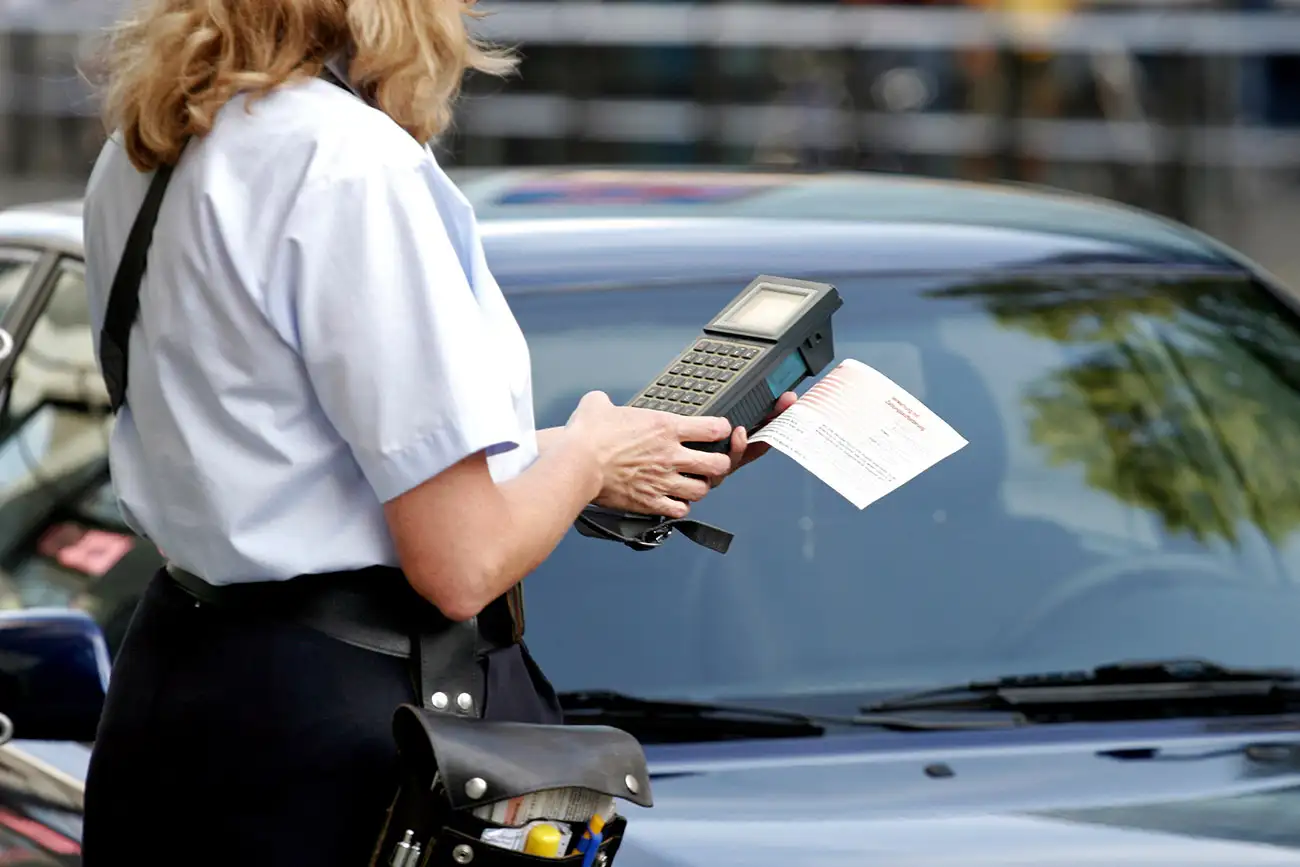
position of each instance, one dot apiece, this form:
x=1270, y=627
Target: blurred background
x=1190, y=109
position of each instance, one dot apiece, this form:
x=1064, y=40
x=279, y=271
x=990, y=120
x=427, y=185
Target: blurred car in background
x=62, y=540
x=54, y=667
x=1131, y=394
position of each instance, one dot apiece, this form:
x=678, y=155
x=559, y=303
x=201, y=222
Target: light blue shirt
x=318, y=333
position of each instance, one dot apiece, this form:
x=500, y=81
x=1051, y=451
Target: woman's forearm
x=543, y=503
x=492, y=534
x=547, y=437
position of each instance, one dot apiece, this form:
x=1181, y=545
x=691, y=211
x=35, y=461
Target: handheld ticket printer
x=772, y=336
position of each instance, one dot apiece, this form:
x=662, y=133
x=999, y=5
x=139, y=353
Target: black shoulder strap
x=124, y=297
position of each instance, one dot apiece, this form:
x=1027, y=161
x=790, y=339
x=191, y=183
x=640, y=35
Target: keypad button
x=704, y=346
x=641, y=402
x=737, y=352
x=677, y=368
x=748, y=352
x=692, y=358
x=710, y=360
x=711, y=388
x=698, y=399
x=725, y=376
x=738, y=364
x=674, y=382
x=664, y=380
x=710, y=374
x=674, y=395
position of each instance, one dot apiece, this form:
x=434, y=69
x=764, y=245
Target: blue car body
x=820, y=608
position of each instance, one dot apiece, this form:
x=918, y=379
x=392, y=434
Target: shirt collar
x=337, y=66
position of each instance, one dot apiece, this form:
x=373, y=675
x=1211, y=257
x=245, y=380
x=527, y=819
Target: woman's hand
x=643, y=462
x=742, y=452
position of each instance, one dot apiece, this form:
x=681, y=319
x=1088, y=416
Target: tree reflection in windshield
x=1183, y=385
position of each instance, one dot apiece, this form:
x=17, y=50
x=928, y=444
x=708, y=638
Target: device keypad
x=700, y=373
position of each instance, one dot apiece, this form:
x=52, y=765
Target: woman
x=326, y=389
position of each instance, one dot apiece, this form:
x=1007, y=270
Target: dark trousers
x=235, y=739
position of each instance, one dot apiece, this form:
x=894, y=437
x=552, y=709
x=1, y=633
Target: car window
x=57, y=361
x=13, y=275
x=14, y=271
x=1126, y=493
x=53, y=454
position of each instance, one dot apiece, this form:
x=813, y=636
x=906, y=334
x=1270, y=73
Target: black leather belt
x=378, y=610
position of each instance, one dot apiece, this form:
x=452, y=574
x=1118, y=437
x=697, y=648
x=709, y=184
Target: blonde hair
x=169, y=69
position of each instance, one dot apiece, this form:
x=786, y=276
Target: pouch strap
x=645, y=532
x=447, y=671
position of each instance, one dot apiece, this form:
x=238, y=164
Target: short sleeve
x=392, y=338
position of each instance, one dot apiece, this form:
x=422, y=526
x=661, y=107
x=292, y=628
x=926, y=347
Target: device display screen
x=768, y=310
x=786, y=374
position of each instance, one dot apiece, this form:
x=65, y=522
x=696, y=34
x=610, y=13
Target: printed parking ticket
x=861, y=433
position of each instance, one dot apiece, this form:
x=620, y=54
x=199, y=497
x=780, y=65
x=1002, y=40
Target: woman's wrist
x=569, y=446
x=548, y=436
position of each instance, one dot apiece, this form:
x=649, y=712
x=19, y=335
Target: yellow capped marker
x=543, y=841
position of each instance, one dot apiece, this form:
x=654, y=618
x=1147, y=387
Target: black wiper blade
x=1153, y=681
x=623, y=710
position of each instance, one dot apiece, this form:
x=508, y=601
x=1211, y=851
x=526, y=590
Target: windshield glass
x=1127, y=492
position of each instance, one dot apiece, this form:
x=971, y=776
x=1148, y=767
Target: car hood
x=1211, y=799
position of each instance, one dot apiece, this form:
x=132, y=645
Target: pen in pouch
x=593, y=846
x=594, y=826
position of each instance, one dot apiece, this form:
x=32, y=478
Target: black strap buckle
x=645, y=532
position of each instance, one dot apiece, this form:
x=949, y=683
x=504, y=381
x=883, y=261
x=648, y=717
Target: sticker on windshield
x=861, y=433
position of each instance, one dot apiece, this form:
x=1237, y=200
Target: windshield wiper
x=660, y=719
x=1121, y=690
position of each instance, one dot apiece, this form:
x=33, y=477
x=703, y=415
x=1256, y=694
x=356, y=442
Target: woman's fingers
x=690, y=490
x=701, y=428
x=697, y=463
x=668, y=507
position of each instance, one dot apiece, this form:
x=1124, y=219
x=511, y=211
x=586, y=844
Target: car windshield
x=1127, y=492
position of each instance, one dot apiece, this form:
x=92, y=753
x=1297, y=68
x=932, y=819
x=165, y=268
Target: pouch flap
x=481, y=761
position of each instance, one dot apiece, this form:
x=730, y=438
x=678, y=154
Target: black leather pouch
x=452, y=765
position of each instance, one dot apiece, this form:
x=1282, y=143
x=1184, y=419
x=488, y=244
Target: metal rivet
x=632, y=784
x=439, y=700
x=462, y=854
x=464, y=701
x=476, y=787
